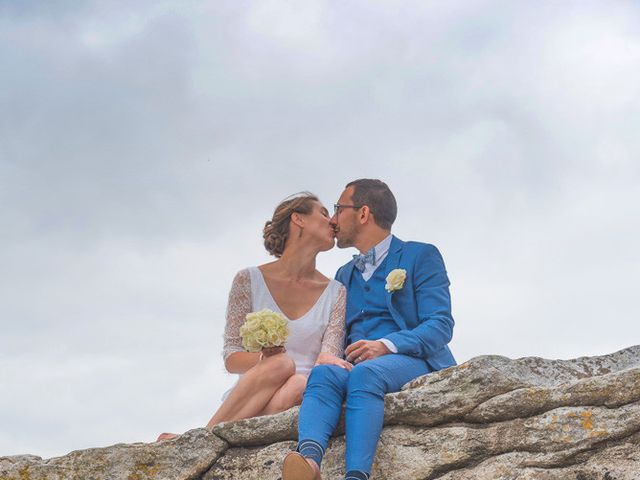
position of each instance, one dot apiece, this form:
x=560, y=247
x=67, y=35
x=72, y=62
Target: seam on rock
x=481, y=426
x=566, y=463
x=200, y=476
x=540, y=412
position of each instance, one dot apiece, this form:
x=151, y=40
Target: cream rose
x=264, y=329
x=395, y=279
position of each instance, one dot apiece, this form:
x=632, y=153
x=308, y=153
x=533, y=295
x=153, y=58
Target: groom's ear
x=365, y=214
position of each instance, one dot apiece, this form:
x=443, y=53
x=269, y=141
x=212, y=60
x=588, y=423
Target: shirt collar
x=382, y=248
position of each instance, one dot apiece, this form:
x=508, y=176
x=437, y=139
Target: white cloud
x=143, y=145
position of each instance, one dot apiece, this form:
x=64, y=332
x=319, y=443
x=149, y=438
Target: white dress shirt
x=381, y=249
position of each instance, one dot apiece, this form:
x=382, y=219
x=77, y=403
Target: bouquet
x=264, y=329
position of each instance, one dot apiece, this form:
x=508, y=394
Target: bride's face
x=317, y=227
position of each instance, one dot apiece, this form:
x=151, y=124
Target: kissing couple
x=384, y=321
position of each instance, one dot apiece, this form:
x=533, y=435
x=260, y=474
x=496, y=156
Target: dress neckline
x=273, y=300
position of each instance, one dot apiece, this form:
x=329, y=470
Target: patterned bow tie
x=359, y=261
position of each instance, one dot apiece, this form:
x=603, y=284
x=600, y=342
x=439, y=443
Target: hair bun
x=276, y=230
x=273, y=240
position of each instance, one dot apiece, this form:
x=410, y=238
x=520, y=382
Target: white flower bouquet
x=264, y=329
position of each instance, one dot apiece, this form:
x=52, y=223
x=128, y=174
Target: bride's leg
x=255, y=389
x=287, y=396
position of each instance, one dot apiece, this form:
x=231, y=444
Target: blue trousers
x=363, y=389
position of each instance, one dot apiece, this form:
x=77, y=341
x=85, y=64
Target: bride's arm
x=332, y=349
x=240, y=362
x=236, y=358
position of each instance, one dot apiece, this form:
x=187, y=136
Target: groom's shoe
x=296, y=467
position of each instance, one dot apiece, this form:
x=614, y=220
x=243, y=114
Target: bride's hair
x=276, y=230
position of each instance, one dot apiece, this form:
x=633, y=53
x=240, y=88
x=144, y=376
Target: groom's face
x=345, y=221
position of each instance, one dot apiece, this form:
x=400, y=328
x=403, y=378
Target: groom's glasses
x=337, y=207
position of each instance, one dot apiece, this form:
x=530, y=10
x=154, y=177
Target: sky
x=143, y=144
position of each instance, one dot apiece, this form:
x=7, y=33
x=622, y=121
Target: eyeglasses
x=337, y=207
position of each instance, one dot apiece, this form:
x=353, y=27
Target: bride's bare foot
x=166, y=436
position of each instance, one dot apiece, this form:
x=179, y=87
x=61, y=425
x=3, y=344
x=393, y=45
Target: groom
x=398, y=320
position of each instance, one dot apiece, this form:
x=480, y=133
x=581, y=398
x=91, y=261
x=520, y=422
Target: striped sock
x=356, y=475
x=311, y=449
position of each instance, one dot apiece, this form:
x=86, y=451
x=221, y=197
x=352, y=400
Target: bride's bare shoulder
x=321, y=278
x=267, y=268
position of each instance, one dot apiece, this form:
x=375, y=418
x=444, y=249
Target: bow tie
x=359, y=261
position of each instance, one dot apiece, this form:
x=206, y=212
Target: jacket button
x=367, y=288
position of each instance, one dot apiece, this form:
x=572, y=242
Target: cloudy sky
x=144, y=143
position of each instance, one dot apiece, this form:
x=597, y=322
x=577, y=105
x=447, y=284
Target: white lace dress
x=321, y=329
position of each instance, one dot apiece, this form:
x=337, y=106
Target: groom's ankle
x=356, y=475
x=311, y=450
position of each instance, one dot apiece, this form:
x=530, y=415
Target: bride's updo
x=276, y=230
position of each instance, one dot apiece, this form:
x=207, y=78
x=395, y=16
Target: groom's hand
x=365, y=350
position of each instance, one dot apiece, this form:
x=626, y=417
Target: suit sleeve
x=435, y=322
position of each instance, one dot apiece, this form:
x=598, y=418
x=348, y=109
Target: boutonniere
x=395, y=280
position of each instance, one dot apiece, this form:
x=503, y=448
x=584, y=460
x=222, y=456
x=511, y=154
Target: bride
x=273, y=380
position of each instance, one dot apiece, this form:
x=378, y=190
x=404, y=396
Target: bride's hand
x=328, y=359
x=271, y=351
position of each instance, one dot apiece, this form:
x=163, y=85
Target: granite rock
x=490, y=418
x=186, y=457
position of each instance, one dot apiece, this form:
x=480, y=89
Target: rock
x=609, y=461
x=185, y=457
x=260, y=430
x=550, y=439
x=251, y=463
x=454, y=393
x=610, y=390
x=490, y=418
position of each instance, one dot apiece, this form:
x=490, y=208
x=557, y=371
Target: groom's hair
x=376, y=195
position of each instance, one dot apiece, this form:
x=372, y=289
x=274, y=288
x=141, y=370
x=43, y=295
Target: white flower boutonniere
x=395, y=280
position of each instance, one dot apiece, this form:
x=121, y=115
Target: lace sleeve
x=333, y=339
x=237, y=308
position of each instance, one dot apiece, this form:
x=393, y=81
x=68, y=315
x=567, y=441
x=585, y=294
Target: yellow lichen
x=143, y=472
x=587, y=420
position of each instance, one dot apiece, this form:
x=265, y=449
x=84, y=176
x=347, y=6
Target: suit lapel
x=393, y=257
x=393, y=260
x=346, y=276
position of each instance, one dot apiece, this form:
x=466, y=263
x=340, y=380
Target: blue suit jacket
x=422, y=308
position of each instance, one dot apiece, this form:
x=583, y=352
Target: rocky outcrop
x=187, y=457
x=489, y=418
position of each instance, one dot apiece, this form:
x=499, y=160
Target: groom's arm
x=435, y=322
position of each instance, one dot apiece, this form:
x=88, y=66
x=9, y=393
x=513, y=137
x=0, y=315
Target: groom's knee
x=366, y=378
x=328, y=375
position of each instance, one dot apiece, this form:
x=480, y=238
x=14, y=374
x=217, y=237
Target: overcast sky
x=144, y=144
